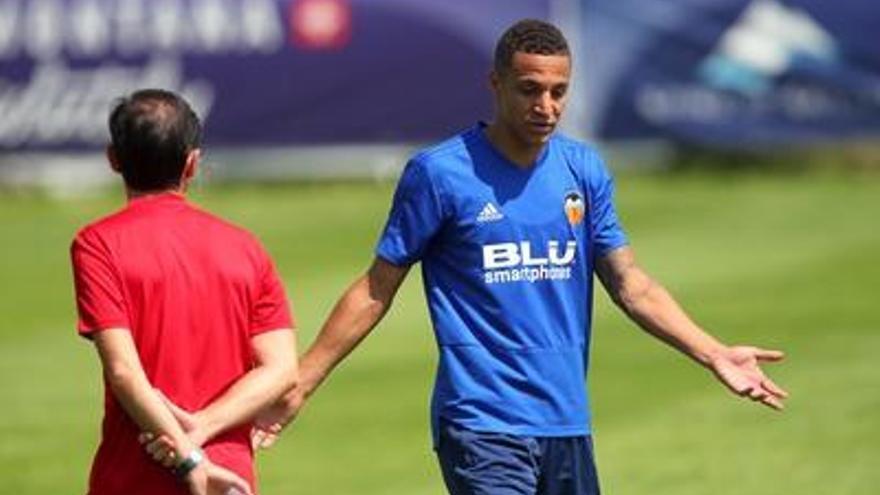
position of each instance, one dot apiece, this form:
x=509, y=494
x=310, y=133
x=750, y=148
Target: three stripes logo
x=489, y=214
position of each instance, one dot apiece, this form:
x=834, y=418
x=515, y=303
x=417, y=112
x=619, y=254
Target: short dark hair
x=529, y=36
x=151, y=132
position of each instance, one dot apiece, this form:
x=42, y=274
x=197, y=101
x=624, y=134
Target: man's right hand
x=211, y=479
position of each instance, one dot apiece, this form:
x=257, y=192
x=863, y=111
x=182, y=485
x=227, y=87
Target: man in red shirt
x=178, y=300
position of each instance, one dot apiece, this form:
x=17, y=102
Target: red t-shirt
x=192, y=289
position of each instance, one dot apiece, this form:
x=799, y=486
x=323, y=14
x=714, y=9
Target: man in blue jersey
x=510, y=220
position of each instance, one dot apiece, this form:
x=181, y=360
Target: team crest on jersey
x=575, y=208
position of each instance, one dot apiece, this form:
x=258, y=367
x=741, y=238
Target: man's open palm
x=739, y=369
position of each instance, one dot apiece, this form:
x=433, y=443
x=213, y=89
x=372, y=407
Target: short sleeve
x=271, y=310
x=416, y=216
x=608, y=234
x=100, y=299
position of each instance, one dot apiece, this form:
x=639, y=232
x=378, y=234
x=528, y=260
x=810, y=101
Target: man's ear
x=494, y=81
x=113, y=160
x=193, y=158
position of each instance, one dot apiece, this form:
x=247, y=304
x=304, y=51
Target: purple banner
x=260, y=72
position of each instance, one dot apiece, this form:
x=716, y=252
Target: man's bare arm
x=651, y=306
x=129, y=384
x=274, y=374
x=355, y=314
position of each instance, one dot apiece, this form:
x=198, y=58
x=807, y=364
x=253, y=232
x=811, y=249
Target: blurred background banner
x=732, y=72
x=260, y=72
x=348, y=88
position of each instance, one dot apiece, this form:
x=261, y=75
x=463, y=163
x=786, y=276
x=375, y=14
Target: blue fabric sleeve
x=416, y=216
x=607, y=231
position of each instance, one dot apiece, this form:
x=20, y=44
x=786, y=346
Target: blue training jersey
x=507, y=261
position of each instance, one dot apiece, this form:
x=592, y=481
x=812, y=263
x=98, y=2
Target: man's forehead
x=534, y=65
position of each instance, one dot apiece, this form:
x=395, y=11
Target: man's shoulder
x=127, y=223
x=102, y=225
x=575, y=147
x=583, y=156
x=222, y=227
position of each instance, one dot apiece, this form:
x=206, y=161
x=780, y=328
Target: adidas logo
x=489, y=214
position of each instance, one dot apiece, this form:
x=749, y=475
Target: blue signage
x=732, y=71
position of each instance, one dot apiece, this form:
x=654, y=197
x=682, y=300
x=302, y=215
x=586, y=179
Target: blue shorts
x=480, y=463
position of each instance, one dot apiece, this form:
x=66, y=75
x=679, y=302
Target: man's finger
x=151, y=447
x=145, y=437
x=169, y=460
x=160, y=451
x=269, y=441
x=162, y=443
x=756, y=394
x=769, y=355
x=774, y=389
x=241, y=487
x=238, y=490
x=235, y=484
x=263, y=439
x=257, y=438
x=773, y=402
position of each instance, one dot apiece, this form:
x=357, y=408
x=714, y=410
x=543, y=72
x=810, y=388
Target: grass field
x=784, y=261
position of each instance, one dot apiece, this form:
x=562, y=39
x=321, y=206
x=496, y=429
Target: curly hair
x=529, y=36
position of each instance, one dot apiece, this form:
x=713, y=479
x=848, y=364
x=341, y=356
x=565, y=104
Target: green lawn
x=790, y=262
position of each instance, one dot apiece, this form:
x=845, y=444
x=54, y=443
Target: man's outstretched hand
x=738, y=368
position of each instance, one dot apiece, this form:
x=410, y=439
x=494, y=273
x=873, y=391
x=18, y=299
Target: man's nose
x=543, y=104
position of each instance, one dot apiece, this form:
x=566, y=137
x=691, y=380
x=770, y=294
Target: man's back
x=193, y=290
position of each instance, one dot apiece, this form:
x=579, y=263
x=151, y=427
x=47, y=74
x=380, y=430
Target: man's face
x=531, y=95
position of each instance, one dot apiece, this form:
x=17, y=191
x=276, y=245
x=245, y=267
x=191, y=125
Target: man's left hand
x=738, y=368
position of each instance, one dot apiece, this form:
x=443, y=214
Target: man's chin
x=538, y=138
x=534, y=137
x=539, y=134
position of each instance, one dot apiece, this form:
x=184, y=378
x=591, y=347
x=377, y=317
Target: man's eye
x=529, y=89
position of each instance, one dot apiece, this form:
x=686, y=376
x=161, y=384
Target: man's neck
x=134, y=194
x=520, y=154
